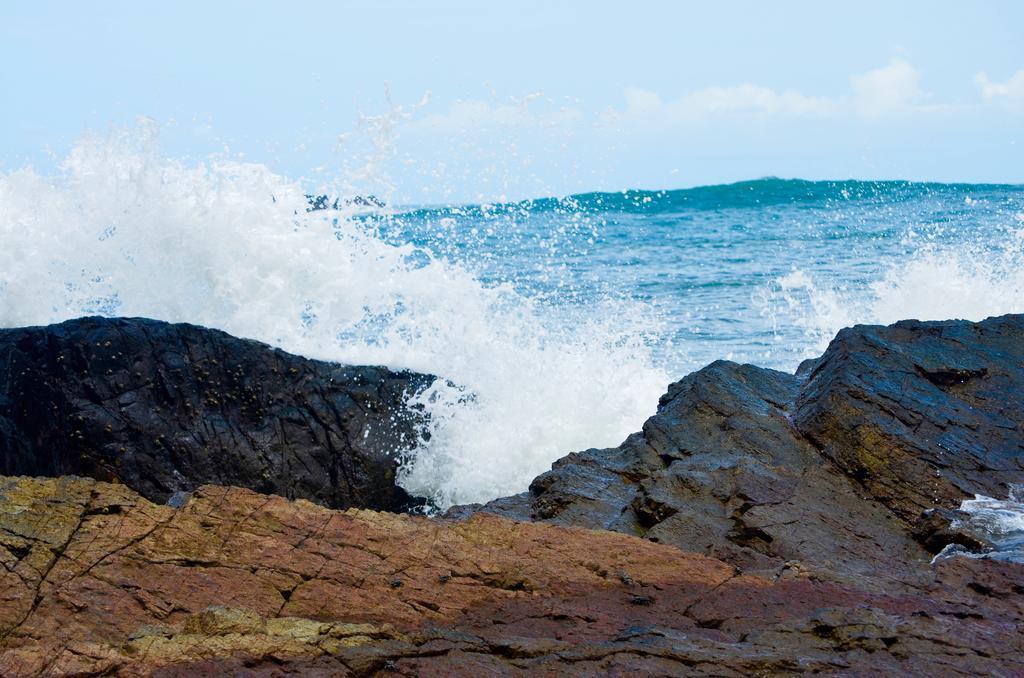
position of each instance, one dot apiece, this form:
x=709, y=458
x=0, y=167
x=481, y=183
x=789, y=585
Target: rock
x=939, y=528
x=830, y=470
x=98, y=580
x=760, y=523
x=921, y=414
x=165, y=408
x=721, y=470
x=323, y=202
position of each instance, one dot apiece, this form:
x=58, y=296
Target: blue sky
x=482, y=100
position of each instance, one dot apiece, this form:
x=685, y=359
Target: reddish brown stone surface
x=97, y=580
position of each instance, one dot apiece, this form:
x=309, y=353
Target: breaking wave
x=554, y=324
x=122, y=230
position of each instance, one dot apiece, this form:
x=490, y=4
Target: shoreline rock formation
x=849, y=466
x=165, y=408
x=97, y=580
x=760, y=523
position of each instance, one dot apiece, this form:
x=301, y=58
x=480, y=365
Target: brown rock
x=97, y=580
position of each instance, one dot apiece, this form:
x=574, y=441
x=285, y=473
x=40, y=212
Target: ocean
x=762, y=271
x=555, y=323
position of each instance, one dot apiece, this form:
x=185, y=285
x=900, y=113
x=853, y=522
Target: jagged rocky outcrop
x=760, y=523
x=845, y=469
x=165, y=408
x=921, y=414
x=98, y=581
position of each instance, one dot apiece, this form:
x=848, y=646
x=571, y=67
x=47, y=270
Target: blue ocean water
x=760, y=271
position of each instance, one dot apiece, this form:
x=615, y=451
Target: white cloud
x=648, y=111
x=1011, y=89
x=890, y=92
x=894, y=88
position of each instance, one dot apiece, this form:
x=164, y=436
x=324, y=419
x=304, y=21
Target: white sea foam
x=122, y=230
x=968, y=280
x=1000, y=521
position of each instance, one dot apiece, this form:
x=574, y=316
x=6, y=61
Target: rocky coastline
x=176, y=501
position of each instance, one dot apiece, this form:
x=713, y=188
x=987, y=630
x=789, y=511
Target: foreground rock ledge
x=97, y=580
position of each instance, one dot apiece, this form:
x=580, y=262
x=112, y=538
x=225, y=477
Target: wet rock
x=721, y=470
x=921, y=414
x=165, y=408
x=939, y=528
x=833, y=468
x=237, y=582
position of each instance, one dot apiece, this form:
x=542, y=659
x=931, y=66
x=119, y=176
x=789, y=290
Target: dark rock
x=165, y=408
x=813, y=499
x=921, y=414
x=323, y=202
x=826, y=473
x=721, y=470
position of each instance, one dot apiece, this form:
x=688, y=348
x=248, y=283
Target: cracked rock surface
x=97, y=580
x=165, y=408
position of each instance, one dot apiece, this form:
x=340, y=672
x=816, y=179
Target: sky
x=477, y=101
